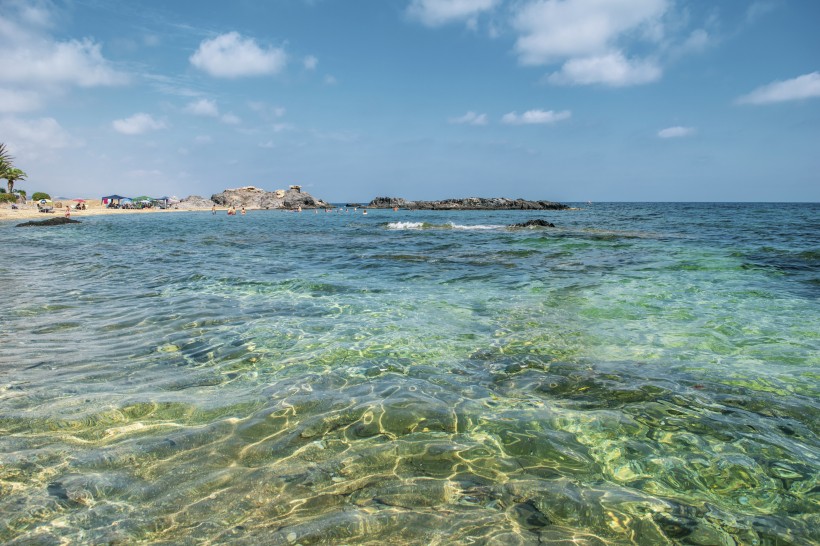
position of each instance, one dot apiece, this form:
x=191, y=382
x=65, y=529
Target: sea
x=642, y=373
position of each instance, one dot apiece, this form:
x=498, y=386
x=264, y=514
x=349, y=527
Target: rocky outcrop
x=251, y=197
x=50, y=222
x=532, y=224
x=470, y=203
x=387, y=203
x=194, y=202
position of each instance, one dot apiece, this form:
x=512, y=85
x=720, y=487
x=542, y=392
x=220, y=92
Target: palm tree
x=5, y=160
x=12, y=175
x=7, y=170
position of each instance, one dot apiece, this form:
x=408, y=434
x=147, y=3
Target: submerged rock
x=469, y=203
x=533, y=223
x=50, y=222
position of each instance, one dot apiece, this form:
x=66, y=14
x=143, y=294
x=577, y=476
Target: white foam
x=475, y=227
x=405, y=225
x=449, y=225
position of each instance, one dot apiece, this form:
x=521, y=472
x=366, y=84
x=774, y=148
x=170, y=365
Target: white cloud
x=612, y=69
x=535, y=117
x=330, y=80
x=676, y=132
x=470, y=118
x=32, y=134
x=15, y=101
x=230, y=119
x=34, y=60
x=33, y=13
x=232, y=56
x=310, y=62
x=802, y=87
x=203, y=107
x=151, y=40
x=553, y=30
x=203, y=139
x=591, y=39
x=172, y=85
x=137, y=124
x=35, y=67
x=266, y=111
x=435, y=13
x=279, y=127
x=759, y=9
x=698, y=40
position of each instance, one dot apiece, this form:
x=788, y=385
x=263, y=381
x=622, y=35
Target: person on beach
x=68, y=211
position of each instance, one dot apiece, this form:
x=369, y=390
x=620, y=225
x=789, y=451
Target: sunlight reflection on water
x=625, y=378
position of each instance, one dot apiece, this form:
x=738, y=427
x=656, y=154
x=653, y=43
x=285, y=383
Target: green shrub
x=2, y=190
x=21, y=192
x=8, y=198
x=40, y=195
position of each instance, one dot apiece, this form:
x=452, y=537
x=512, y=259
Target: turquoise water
x=640, y=374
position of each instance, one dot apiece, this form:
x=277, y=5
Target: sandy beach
x=93, y=208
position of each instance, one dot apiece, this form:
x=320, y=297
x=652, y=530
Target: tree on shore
x=8, y=170
x=5, y=159
x=12, y=175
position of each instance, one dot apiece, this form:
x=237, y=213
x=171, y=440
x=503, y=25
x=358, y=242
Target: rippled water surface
x=640, y=374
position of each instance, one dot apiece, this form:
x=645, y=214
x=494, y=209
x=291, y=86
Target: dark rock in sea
x=251, y=197
x=56, y=489
x=469, y=203
x=533, y=223
x=50, y=222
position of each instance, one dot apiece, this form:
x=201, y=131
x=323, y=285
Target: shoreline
x=30, y=212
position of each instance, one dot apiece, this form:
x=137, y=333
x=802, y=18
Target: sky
x=566, y=100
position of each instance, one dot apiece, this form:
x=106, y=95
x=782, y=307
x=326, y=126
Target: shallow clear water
x=640, y=374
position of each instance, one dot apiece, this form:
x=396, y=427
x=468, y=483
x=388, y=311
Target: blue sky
x=569, y=100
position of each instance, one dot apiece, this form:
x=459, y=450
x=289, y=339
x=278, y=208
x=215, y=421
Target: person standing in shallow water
x=243, y=209
x=68, y=211
x=213, y=209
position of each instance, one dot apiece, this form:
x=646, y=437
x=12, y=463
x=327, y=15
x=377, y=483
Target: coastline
x=30, y=212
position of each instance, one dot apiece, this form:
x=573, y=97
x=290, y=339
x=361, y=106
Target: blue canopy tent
x=109, y=200
x=161, y=202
